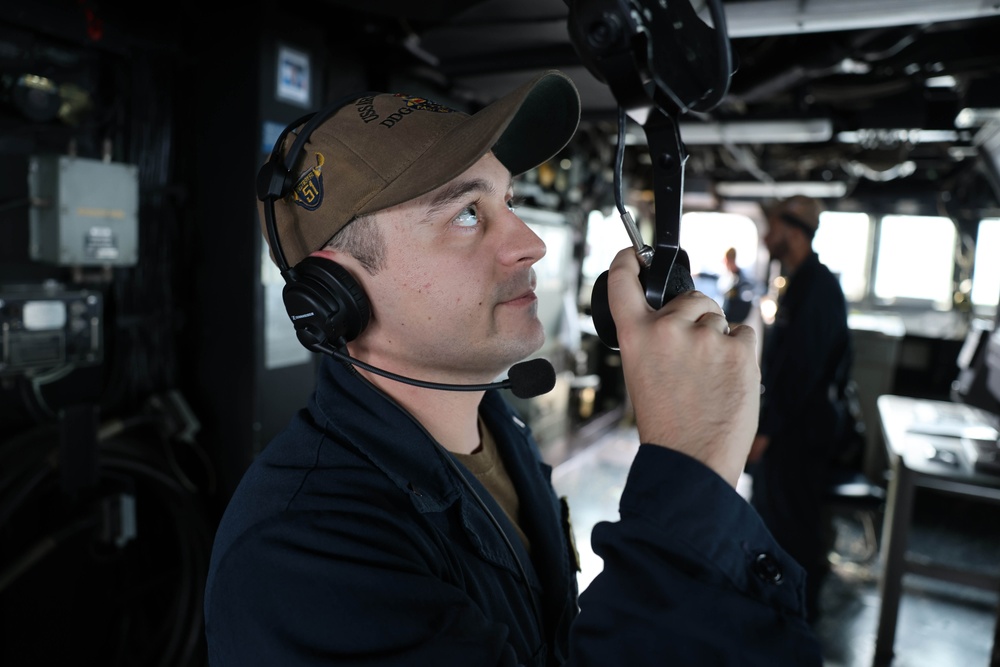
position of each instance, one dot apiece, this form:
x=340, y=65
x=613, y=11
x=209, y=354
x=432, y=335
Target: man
x=805, y=362
x=739, y=293
x=391, y=524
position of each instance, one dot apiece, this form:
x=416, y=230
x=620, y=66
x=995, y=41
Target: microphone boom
x=526, y=379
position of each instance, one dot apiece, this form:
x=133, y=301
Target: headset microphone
x=525, y=380
x=530, y=378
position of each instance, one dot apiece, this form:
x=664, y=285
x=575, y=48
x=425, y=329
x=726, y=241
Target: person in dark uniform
x=396, y=524
x=740, y=292
x=805, y=358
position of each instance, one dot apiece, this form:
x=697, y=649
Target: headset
x=326, y=305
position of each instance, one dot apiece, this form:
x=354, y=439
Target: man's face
x=456, y=295
x=776, y=238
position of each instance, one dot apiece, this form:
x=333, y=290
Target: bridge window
x=706, y=236
x=986, y=274
x=842, y=243
x=915, y=260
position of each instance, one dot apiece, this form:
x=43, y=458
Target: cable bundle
x=105, y=566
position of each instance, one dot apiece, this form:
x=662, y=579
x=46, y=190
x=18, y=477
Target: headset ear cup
x=325, y=303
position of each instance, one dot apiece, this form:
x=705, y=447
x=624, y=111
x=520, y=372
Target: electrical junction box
x=83, y=212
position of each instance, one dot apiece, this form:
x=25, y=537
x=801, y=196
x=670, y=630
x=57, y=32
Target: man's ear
x=327, y=253
x=345, y=259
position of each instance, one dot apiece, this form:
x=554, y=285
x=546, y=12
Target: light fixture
x=762, y=18
x=35, y=96
x=755, y=189
x=757, y=132
x=862, y=170
x=970, y=117
x=943, y=81
x=882, y=136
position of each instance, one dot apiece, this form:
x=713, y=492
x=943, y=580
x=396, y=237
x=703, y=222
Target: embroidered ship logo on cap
x=308, y=191
x=423, y=104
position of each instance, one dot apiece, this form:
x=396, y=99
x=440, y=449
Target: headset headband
x=274, y=178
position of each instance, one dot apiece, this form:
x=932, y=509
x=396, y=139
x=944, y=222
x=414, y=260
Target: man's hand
x=694, y=382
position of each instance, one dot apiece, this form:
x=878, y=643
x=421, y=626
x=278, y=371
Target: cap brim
x=524, y=129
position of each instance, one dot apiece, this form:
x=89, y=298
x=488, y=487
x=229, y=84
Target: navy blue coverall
x=805, y=362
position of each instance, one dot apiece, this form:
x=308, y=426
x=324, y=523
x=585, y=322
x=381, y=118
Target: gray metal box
x=44, y=327
x=84, y=212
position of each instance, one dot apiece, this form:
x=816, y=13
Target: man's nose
x=521, y=244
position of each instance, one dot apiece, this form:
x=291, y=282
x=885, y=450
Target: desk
x=916, y=429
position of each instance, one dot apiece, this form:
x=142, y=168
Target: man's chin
x=534, y=342
x=522, y=348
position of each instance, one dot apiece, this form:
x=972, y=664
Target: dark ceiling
x=878, y=83
x=881, y=81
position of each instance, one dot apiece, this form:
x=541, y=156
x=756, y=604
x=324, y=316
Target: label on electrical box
x=100, y=244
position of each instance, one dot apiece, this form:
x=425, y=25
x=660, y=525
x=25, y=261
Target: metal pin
x=642, y=251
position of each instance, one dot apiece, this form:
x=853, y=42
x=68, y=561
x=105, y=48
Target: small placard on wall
x=293, y=76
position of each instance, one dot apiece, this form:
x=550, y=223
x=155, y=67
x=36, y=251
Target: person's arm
x=691, y=576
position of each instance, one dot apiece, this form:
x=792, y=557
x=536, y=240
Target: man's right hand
x=694, y=383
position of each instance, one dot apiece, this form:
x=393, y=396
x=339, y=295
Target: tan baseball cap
x=799, y=211
x=385, y=149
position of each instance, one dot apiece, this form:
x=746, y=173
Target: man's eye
x=468, y=217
